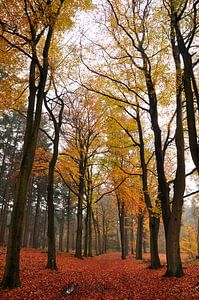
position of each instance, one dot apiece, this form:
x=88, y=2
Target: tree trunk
x=44, y=229
x=78, y=248
x=132, y=236
x=4, y=212
x=86, y=234
x=35, y=240
x=26, y=234
x=82, y=170
x=68, y=224
x=121, y=214
x=51, y=263
x=90, y=240
x=198, y=239
x=61, y=228
x=190, y=89
x=154, y=223
x=97, y=252
x=11, y=278
x=174, y=264
x=126, y=237
x=139, y=236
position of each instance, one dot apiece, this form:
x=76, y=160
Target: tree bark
x=190, y=89
x=35, y=241
x=11, y=278
x=139, y=236
x=68, y=223
x=78, y=250
x=153, y=221
x=174, y=264
x=121, y=215
x=90, y=232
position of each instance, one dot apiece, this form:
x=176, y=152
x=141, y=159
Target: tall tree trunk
x=26, y=234
x=86, y=234
x=90, y=240
x=97, y=252
x=68, y=223
x=4, y=212
x=139, y=236
x=98, y=233
x=153, y=221
x=11, y=278
x=78, y=250
x=44, y=229
x=198, y=239
x=57, y=123
x=51, y=263
x=61, y=228
x=35, y=240
x=174, y=264
x=126, y=238
x=121, y=214
x=190, y=89
x=132, y=236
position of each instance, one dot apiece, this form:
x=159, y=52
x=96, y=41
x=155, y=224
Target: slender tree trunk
x=11, y=278
x=190, y=89
x=174, y=264
x=90, y=240
x=132, y=236
x=78, y=251
x=57, y=123
x=68, y=223
x=51, y=263
x=4, y=212
x=35, y=240
x=26, y=234
x=96, y=235
x=121, y=214
x=61, y=228
x=86, y=234
x=126, y=237
x=82, y=171
x=139, y=237
x=44, y=229
x=198, y=239
x=153, y=221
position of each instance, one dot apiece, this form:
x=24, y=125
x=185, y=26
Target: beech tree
x=81, y=134
x=131, y=28
x=29, y=27
x=183, y=17
x=53, y=106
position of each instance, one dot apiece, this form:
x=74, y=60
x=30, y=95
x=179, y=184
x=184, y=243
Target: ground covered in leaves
x=102, y=277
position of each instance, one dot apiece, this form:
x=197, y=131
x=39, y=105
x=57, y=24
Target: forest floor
x=101, y=277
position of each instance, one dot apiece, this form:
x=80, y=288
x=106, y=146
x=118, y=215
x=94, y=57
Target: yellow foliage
x=41, y=162
x=189, y=241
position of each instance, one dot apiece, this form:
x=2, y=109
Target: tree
x=132, y=31
x=183, y=17
x=57, y=123
x=28, y=27
x=81, y=132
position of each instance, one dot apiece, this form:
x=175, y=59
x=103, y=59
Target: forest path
x=101, y=277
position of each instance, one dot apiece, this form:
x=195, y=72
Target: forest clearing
x=105, y=277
